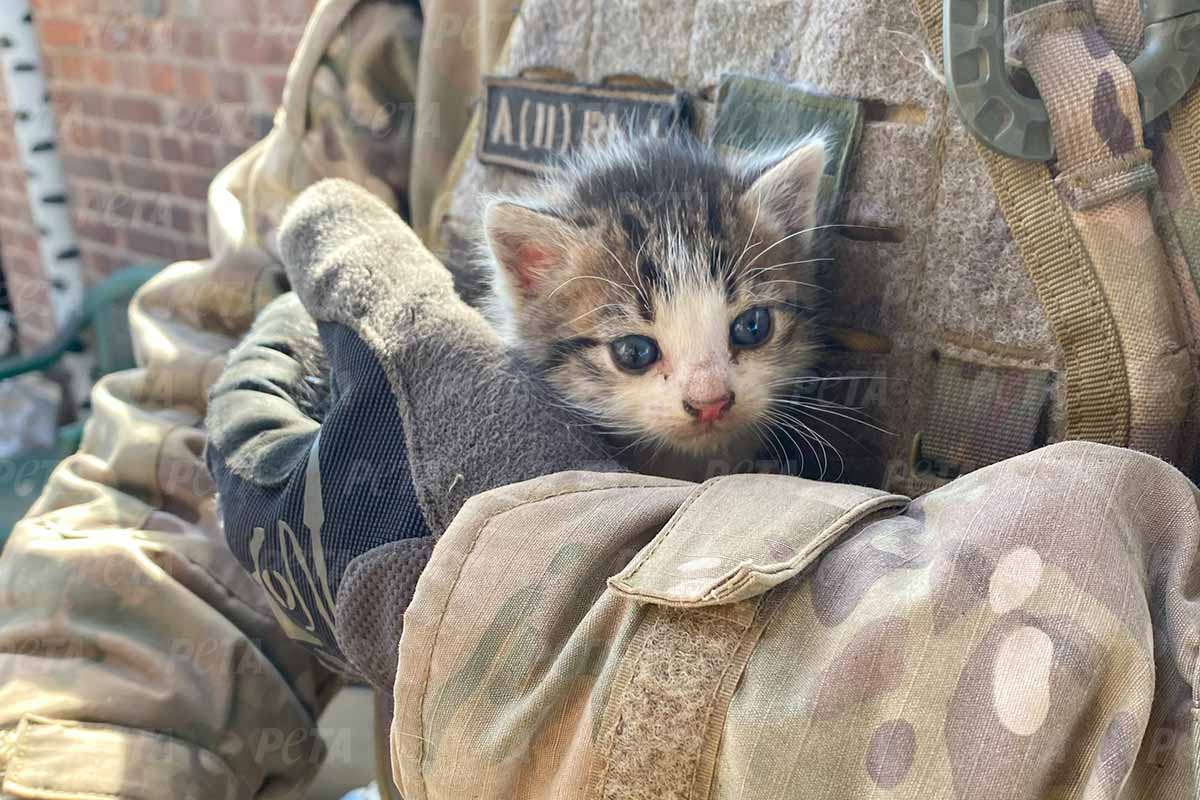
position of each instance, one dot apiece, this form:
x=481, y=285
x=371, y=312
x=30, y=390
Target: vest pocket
x=740, y=535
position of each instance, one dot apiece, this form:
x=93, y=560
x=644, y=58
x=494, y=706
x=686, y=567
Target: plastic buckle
x=1018, y=126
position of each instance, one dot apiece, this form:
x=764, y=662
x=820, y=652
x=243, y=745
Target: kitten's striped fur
x=666, y=239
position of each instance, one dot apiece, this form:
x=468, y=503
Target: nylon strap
x=1095, y=377
x=1185, y=137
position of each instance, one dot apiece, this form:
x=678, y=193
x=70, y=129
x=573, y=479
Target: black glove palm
x=425, y=408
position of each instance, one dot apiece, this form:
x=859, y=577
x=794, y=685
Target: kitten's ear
x=789, y=191
x=528, y=245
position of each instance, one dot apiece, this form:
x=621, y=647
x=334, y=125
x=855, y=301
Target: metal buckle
x=1018, y=126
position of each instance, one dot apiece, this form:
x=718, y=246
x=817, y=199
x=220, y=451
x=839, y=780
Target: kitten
x=668, y=294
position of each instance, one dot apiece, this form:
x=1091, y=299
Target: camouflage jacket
x=1029, y=631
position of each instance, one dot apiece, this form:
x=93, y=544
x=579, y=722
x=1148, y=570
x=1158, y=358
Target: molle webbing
x=1097, y=386
x=1105, y=173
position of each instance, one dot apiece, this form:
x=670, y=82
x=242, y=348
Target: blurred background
x=114, y=117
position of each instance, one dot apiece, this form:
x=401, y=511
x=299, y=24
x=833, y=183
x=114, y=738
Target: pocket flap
x=737, y=536
x=51, y=758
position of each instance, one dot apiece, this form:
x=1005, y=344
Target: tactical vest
x=1012, y=269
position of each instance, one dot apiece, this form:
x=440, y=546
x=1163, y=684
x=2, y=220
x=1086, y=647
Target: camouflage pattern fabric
x=137, y=658
x=1039, y=613
x=1026, y=631
x=1104, y=173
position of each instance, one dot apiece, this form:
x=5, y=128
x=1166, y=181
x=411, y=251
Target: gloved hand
x=332, y=495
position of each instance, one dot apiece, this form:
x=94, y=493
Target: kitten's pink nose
x=709, y=410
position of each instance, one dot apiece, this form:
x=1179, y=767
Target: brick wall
x=152, y=98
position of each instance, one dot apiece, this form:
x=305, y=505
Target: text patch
x=530, y=125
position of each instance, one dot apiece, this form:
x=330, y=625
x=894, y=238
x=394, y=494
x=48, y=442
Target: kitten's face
x=666, y=295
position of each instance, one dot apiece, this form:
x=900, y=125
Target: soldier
x=1025, y=630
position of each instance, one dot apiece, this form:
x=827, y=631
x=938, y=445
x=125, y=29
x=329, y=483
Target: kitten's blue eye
x=751, y=328
x=634, y=353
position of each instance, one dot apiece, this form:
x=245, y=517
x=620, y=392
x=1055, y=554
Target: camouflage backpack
x=1014, y=269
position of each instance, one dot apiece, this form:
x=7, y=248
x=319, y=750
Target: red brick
x=133, y=75
x=94, y=104
x=122, y=33
x=194, y=41
x=67, y=67
x=151, y=179
x=80, y=134
x=272, y=86
x=193, y=186
x=86, y=166
x=116, y=206
x=111, y=140
x=151, y=244
x=204, y=119
x=162, y=78
x=181, y=220
x=100, y=71
x=240, y=11
x=21, y=240
x=96, y=230
x=204, y=154
x=287, y=13
x=195, y=83
x=133, y=109
x=137, y=144
x=231, y=86
x=64, y=101
x=257, y=48
x=170, y=148
x=58, y=32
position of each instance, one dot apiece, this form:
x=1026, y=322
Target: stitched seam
x=470, y=549
x=75, y=794
x=649, y=551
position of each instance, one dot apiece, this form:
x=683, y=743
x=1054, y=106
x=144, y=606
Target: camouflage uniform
x=1026, y=631
x=137, y=657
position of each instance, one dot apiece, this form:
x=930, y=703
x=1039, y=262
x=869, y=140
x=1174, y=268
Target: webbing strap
x=1184, y=137
x=1097, y=385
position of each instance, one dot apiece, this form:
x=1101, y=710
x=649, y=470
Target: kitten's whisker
x=783, y=449
x=796, y=283
x=749, y=236
x=778, y=423
x=823, y=459
x=750, y=273
x=824, y=410
x=787, y=421
x=832, y=379
x=775, y=244
x=620, y=265
x=813, y=229
x=842, y=406
x=622, y=287
x=637, y=259
x=594, y=310
x=846, y=434
x=760, y=431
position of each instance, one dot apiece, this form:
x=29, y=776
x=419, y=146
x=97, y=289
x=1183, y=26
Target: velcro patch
x=530, y=125
x=752, y=113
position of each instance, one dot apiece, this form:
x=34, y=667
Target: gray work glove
x=342, y=448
